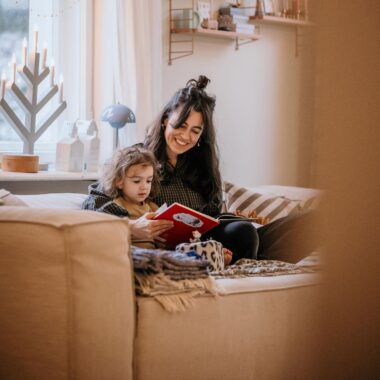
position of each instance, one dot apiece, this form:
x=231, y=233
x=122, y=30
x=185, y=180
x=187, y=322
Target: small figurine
x=196, y=237
x=69, y=153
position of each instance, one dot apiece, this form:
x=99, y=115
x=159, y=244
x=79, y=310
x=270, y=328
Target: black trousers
x=287, y=239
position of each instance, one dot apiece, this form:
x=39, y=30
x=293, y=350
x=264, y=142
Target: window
x=58, y=23
x=14, y=25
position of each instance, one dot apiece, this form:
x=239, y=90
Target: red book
x=186, y=220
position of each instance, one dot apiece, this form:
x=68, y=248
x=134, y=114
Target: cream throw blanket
x=172, y=278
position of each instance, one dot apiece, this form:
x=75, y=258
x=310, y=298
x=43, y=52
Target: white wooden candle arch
x=29, y=131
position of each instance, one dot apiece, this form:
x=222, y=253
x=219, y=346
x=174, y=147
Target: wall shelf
x=239, y=38
x=218, y=34
x=275, y=20
x=179, y=48
x=299, y=26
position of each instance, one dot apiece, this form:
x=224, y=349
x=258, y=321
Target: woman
x=183, y=141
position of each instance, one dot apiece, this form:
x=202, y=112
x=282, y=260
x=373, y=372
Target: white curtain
x=127, y=59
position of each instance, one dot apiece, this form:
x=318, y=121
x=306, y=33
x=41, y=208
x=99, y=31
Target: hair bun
x=200, y=84
x=203, y=81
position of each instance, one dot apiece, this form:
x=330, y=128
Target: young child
x=129, y=180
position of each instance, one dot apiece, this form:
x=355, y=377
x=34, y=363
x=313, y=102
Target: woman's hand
x=147, y=228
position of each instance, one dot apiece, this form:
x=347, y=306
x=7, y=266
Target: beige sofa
x=68, y=310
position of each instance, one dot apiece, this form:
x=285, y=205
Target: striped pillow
x=268, y=206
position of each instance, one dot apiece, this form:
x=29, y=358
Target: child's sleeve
x=97, y=200
x=104, y=204
x=112, y=208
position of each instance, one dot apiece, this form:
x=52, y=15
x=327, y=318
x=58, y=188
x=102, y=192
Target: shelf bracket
x=186, y=46
x=182, y=52
x=239, y=42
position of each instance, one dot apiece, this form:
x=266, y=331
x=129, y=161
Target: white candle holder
x=29, y=132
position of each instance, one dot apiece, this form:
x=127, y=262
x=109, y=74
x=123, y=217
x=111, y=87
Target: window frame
x=82, y=93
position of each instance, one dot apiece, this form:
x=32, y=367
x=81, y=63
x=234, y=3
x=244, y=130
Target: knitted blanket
x=172, y=278
x=176, y=265
x=250, y=267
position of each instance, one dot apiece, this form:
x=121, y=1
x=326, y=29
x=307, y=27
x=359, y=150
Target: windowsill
x=49, y=176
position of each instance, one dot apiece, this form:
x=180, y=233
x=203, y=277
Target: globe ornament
x=118, y=115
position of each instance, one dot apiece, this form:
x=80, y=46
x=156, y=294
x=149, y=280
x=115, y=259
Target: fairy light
x=51, y=15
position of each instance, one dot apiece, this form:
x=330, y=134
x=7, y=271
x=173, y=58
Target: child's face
x=136, y=183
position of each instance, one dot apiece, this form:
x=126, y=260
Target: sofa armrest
x=67, y=305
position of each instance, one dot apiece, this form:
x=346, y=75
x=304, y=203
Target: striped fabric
x=268, y=206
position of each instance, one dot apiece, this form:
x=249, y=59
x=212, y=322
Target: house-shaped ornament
x=69, y=155
x=91, y=145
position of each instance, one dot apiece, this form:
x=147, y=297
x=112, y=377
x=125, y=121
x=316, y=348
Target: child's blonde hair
x=122, y=160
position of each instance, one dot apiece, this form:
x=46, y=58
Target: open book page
x=162, y=208
x=186, y=220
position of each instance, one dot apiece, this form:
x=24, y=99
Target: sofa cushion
x=54, y=200
x=66, y=300
x=250, y=333
x=268, y=204
x=8, y=199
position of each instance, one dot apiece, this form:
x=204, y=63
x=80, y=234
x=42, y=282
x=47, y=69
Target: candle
x=61, y=88
x=44, y=53
x=13, y=68
x=35, y=38
x=52, y=73
x=2, y=85
x=24, y=51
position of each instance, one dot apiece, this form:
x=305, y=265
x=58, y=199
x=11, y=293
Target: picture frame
x=268, y=7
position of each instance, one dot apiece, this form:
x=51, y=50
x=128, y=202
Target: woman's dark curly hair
x=202, y=161
x=122, y=160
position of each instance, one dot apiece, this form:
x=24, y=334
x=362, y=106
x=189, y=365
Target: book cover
x=186, y=220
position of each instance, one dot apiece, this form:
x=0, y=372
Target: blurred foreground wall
x=347, y=162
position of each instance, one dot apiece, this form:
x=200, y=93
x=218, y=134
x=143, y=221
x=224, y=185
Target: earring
x=199, y=144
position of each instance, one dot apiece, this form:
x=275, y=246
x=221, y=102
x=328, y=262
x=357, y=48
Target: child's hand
x=227, y=256
x=147, y=228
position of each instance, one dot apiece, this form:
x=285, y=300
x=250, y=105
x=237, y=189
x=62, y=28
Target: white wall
x=258, y=110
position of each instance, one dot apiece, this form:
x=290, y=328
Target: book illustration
x=188, y=219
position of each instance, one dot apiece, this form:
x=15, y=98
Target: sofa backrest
x=66, y=295
x=54, y=200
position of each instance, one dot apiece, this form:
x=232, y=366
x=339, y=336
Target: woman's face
x=185, y=137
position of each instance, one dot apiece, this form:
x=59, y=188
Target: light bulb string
x=39, y=14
